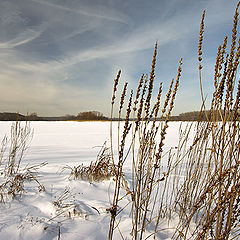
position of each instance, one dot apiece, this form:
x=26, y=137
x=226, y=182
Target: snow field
x=69, y=208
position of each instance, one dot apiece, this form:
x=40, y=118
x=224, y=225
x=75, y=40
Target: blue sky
x=60, y=56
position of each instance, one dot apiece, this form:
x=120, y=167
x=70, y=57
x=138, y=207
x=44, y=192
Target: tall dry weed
x=210, y=193
x=147, y=141
x=201, y=183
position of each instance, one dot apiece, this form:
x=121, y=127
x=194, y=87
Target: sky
x=60, y=57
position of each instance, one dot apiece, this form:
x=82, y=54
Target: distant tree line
x=201, y=116
x=191, y=116
x=82, y=116
x=91, y=116
x=98, y=116
x=6, y=116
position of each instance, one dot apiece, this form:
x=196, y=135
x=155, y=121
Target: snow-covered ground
x=69, y=208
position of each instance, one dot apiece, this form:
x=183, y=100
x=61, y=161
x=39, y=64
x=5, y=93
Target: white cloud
x=33, y=76
x=100, y=12
x=22, y=38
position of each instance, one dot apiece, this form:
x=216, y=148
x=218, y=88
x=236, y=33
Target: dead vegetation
x=146, y=150
x=201, y=183
x=210, y=193
x=100, y=169
x=12, y=175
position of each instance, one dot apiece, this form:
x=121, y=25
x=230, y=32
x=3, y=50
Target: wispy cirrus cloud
x=99, y=11
x=22, y=38
x=69, y=51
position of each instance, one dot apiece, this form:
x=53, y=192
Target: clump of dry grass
x=12, y=175
x=99, y=170
x=68, y=207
